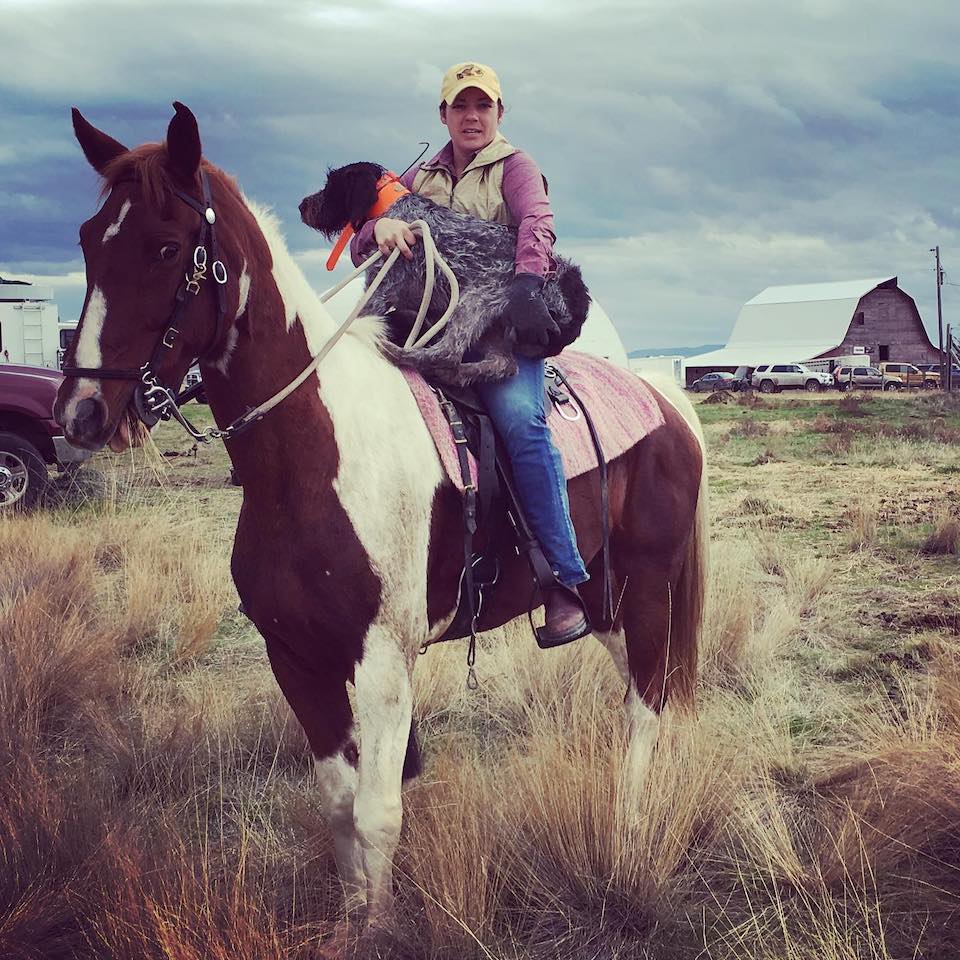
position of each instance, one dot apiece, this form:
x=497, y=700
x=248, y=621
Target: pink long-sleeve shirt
x=525, y=194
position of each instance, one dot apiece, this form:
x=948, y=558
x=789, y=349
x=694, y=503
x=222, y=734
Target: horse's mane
x=147, y=164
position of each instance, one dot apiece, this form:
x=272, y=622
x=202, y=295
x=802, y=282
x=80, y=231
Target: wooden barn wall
x=889, y=317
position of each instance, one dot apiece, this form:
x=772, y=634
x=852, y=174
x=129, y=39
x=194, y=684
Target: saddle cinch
x=490, y=498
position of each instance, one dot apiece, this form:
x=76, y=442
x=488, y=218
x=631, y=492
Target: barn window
x=858, y=318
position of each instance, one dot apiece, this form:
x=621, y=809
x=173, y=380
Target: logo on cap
x=470, y=70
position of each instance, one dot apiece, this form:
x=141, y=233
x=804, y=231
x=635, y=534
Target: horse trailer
x=30, y=327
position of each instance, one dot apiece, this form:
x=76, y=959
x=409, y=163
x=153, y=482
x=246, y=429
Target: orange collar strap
x=389, y=191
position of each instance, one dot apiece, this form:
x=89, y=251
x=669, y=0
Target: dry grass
x=156, y=798
x=945, y=538
x=862, y=526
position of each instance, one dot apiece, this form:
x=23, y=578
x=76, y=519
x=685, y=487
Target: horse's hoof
x=342, y=941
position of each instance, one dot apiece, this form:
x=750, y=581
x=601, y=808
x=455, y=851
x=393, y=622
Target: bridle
x=153, y=399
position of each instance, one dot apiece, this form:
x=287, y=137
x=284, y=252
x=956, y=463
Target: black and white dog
x=481, y=255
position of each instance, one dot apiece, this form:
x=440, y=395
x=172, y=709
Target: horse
x=347, y=554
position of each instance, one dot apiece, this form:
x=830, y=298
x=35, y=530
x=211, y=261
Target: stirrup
x=547, y=640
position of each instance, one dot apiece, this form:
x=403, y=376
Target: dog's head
x=349, y=193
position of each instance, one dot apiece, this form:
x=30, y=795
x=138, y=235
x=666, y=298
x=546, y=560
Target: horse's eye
x=170, y=251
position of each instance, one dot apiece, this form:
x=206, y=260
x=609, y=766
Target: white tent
x=790, y=324
x=599, y=336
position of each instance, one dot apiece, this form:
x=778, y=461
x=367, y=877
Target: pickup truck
x=908, y=375
x=30, y=439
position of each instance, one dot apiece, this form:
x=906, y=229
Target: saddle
x=490, y=499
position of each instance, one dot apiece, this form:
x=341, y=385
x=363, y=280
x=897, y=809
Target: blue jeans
x=516, y=406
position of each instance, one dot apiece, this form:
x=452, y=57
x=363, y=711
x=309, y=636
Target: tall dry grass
x=156, y=801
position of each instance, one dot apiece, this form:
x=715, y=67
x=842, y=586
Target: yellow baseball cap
x=463, y=75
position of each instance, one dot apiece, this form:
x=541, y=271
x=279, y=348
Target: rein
x=155, y=401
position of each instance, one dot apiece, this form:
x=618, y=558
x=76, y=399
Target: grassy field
x=156, y=797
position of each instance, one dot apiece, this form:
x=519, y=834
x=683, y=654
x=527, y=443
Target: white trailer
x=829, y=364
x=30, y=327
x=669, y=366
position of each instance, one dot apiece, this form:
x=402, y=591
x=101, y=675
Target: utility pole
x=943, y=370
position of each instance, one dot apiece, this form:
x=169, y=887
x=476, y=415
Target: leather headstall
x=154, y=400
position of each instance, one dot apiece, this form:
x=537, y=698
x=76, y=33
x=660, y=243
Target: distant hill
x=674, y=351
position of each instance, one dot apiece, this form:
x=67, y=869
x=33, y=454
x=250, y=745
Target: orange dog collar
x=389, y=191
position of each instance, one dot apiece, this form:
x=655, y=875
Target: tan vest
x=478, y=192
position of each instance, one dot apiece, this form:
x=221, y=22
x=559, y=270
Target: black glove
x=527, y=315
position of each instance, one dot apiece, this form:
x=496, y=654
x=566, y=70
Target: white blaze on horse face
x=91, y=329
x=87, y=352
x=114, y=227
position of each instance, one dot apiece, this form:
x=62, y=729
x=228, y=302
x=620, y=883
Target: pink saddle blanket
x=623, y=408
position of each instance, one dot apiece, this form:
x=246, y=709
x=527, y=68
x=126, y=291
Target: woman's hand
x=390, y=232
x=527, y=314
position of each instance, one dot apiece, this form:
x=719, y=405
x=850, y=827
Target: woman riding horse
x=479, y=173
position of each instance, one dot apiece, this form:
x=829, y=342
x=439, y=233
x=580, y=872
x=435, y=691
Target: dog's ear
x=358, y=183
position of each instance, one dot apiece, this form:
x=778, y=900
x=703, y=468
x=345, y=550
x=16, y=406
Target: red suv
x=30, y=439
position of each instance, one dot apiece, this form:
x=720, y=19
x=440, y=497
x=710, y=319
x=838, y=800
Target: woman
x=479, y=173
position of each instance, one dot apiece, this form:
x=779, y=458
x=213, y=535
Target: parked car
x=908, y=375
x=862, y=378
x=710, y=382
x=30, y=438
x=932, y=370
x=773, y=377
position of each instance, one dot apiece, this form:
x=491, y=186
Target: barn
x=793, y=324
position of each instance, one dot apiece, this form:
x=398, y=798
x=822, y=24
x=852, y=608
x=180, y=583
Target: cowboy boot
x=566, y=619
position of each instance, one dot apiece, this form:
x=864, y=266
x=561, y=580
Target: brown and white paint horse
x=348, y=547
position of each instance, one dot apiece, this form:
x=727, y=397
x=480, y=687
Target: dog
x=481, y=255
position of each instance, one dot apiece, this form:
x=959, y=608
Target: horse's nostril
x=90, y=417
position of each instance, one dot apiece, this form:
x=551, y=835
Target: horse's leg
x=337, y=780
x=642, y=720
x=646, y=628
x=384, y=711
x=321, y=704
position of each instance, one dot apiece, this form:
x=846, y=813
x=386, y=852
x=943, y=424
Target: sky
x=697, y=151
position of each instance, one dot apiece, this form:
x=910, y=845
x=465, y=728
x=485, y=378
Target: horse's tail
x=687, y=600
x=412, y=763
x=686, y=614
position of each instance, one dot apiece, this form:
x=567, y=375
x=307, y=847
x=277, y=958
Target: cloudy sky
x=697, y=150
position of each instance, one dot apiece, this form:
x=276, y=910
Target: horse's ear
x=98, y=147
x=183, y=143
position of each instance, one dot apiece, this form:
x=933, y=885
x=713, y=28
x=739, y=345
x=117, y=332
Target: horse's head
x=141, y=250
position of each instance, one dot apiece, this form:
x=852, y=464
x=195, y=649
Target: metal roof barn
x=794, y=323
